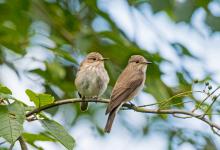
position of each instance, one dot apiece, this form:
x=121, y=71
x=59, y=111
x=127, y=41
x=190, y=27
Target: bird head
x=94, y=58
x=138, y=62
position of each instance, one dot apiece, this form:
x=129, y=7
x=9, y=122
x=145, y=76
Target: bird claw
x=133, y=105
x=95, y=98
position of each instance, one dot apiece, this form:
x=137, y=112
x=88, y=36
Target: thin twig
x=214, y=131
x=11, y=146
x=61, y=102
x=150, y=104
x=176, y=104
x=198, y=106
x=129, y=106
x=210, y=106
x=175, y=96
x=164, y=103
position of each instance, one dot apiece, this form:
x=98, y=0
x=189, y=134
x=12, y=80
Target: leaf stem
x=22, y=143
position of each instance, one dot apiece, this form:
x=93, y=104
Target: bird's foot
x=95, y=98
x=132, y=105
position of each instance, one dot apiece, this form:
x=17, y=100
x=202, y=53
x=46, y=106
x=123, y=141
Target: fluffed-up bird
x=130, y=82
x=92, y=78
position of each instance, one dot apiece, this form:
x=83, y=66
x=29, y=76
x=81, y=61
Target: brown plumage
x=129, y=83
x=92, y=78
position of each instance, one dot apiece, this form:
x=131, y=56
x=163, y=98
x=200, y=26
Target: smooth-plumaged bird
x=92, y=78
x=130, y=82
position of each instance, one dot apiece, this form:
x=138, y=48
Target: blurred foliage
x=69, y=26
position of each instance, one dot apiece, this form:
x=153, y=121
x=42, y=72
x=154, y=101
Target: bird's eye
x=92, y=59
x=137, y=62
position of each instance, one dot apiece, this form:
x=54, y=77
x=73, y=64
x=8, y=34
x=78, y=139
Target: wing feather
x=125, y=88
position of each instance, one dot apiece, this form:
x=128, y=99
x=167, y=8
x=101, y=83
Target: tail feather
x=84, y=106
x=110, y=120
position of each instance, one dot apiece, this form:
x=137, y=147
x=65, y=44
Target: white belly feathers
x=92, y=82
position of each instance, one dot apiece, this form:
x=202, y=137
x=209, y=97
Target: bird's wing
x=125, y=88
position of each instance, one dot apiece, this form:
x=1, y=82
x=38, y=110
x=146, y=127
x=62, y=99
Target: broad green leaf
x=32, y=96
x=45, y=99
x=5, y=90
x=59, y=133
x=31, y=138
x=12, y=118
x=39, y=99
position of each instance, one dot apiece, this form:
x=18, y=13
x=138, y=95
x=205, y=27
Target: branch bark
x=135, y=108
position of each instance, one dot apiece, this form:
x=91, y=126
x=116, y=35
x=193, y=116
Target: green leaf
x=45, y=99
x=32, y=96
x=5, y=90
x=31, y=138
x=39, y=99
x=59, y=133
x=12, y=118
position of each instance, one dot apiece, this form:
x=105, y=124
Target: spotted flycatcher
x=92, y=78
x=129, y=83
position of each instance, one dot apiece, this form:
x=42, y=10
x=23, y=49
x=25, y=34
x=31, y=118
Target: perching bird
x=92, y=78
x=129, y=83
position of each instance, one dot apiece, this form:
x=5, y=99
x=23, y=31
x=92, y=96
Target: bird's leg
x=79, y=95
x=133, y=105
x=95, y=98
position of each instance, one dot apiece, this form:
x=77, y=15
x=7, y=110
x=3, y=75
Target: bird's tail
x=110, y=120
x=84, y=106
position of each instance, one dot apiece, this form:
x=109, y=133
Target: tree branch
x=132, y=107
x=62, y=102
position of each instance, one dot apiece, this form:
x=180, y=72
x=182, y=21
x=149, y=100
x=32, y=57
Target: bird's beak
x=147, y=62
x=103, y=59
